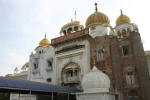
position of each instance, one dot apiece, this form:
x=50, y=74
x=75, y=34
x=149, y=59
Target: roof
x=13, y=85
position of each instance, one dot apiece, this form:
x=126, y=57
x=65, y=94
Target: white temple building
x=116, y=72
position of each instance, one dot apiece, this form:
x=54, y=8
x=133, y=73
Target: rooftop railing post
x=19, y=95
x=68, y=96
x=30, y=95
x=52, y=96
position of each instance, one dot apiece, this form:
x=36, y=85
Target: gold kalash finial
x=96, y=9
x=94, y=61
x=44, y=42
x=121, y=12
x=45, y=35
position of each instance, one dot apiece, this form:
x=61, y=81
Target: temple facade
x=118, y=53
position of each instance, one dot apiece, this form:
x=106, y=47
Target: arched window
x=130, y=77
x=35, y=65
x=119, y=34
x=128, y=30
x=69, y=30
x=76, y=28
x=49, y=64
x=125, y=50
x=76, y=72
x=124, y=32
x=100, y=55
x=71, y=74
x=64, y=32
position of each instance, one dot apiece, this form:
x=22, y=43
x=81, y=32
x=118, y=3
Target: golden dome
x=44, y=42
x=70, y=24
x=122, y=19
x=97, y=18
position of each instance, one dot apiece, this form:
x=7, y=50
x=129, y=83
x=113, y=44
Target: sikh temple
x=104, y=62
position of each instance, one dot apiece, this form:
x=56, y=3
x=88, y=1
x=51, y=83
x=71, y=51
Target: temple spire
x=96, y=9
x=45, y=35
x=94, y=61
x=121, y=12
x=75, y=15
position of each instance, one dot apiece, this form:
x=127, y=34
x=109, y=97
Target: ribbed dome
x=122, y=19
x=97, y=18
x=44, y=42
x=95, y=80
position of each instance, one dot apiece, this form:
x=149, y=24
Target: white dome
x=96, y=80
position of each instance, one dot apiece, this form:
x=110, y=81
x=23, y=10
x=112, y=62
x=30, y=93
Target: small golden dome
x=70, y=24
x=44, y=42
x=122, y=19
x=97, y=18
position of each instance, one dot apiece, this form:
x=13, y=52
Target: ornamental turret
x=71, y=27
x=123, y=26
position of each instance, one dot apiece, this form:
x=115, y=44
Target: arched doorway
x=71, y=75
x=133, y=95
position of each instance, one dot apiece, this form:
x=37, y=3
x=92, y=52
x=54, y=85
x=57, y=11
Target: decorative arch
x=130, y=76
x=128, y=30
x=69, y=30
x=76, y=28
x=70, y=74
x=124, y=32
x=119, y=34
x=64, y=32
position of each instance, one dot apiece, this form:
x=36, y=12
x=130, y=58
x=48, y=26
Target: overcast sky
x=23, y=23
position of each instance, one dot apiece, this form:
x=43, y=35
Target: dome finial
x=121, y=12
x=94, y=61
x=44, y=42
x=96, y=9
x=75, y=15
x=45, y=35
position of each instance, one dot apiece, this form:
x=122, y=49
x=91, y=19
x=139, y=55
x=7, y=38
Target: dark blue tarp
x=24, y=85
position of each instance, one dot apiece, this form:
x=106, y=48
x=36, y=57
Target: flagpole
x=75, y=15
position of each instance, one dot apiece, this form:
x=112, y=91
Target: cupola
x=71, y=27
x=44, y=42
x=122, y=19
